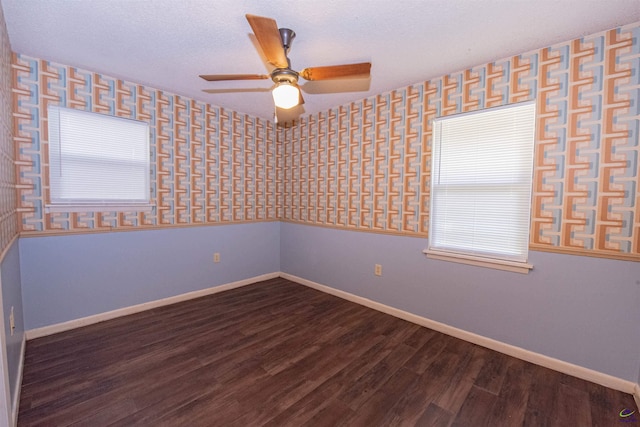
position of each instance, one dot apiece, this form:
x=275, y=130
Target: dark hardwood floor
x=279, y=354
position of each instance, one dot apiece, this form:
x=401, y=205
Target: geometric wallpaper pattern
x=586, y=178
x=360, y=166
x=8, y=203
x=208, y=165
x=366, y=165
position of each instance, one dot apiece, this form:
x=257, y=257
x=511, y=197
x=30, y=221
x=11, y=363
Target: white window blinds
x=482, y=165
x=97, y=161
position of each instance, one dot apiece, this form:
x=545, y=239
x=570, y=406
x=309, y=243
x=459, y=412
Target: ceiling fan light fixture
x=285, y=95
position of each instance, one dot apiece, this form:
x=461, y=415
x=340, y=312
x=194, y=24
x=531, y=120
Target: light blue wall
x=582, y=310
x=70, y=277
x=12, y=297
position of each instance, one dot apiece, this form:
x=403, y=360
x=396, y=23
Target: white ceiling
x=166, y=44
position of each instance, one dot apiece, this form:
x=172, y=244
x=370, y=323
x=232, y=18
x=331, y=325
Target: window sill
x=143, y=207
x=513, y=266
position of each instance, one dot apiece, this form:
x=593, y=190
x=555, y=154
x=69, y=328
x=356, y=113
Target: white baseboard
x=518, y=352
x=15, y=404
x=96, y=318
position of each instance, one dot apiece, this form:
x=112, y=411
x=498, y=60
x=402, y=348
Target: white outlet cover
x=378, y=270
x=12, y=322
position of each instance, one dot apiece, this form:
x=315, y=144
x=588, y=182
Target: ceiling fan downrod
x=287, y=37
x=285, y=75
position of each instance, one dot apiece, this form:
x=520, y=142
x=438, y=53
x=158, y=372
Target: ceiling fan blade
x=221, y=77
x=362, y=69
x=268, y=35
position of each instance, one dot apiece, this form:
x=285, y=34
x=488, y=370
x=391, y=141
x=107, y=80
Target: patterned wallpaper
x=209, y=165
x=8, y=202
x=366, y=165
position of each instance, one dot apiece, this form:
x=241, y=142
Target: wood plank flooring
x=280, y=354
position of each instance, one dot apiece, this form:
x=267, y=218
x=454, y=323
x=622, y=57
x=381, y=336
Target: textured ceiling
x=167, y=43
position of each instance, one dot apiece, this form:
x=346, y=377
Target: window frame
x=106, y=203
x=474, y=257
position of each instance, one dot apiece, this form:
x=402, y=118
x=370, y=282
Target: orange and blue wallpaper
x=8, y=202
x=366, y=166
x=208, y=165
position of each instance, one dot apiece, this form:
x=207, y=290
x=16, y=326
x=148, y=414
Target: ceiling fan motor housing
x=284, y=75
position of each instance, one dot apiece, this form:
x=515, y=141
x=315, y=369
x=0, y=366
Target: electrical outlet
x=216, y=257
x=378, y=270
x=12, y=321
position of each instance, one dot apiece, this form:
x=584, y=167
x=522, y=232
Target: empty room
x=339, y=213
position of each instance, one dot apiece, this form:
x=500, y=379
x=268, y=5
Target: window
x=482, y=166
x=97, y=162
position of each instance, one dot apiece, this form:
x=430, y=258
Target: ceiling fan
x=275, y=44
